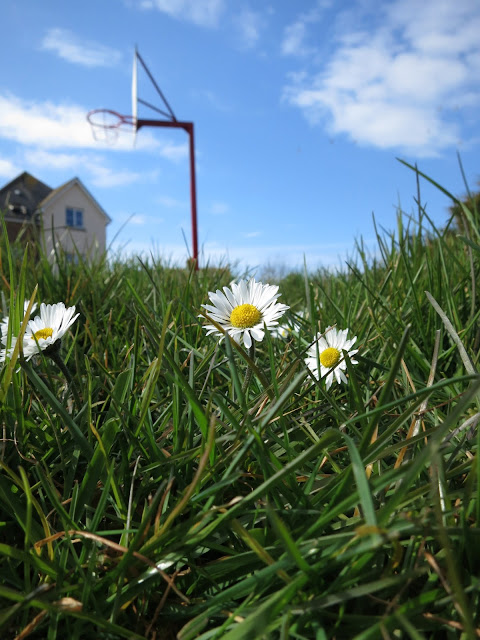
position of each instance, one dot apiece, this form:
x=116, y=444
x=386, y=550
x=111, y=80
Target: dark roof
x=19, y=199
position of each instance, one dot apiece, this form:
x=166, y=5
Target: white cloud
x=212, y=99
x=137, y=219
x=296, y=34
x=50, y=126
x=44, y=124
x=294, y=40
x=289, y=256
x=400, y=83
x=142, y=220
x=71, y=48
x=8, y=169
x=219, y=208
x=205, y=13
x=452, y=26
x=332, y=256
x=47, y=159
x=171, y=203
x=109, y=177
x=175, y=152
x=171, y=254
x=248, y=24
x=100, y=174
x=252, y=234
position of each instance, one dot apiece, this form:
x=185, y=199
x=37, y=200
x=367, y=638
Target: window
x=74, y=218
x=71, y=258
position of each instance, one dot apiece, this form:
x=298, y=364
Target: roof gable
x=22, y=195
x=63, y=189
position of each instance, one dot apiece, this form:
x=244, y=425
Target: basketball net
x=106, y=124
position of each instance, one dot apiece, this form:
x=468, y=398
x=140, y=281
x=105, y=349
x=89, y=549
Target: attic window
x=18, y=208
x=74, y=218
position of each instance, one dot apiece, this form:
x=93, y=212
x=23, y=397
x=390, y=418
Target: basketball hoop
x=106, y=124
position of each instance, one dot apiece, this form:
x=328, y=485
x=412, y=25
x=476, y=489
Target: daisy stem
x=54, y=355
x=248, y=373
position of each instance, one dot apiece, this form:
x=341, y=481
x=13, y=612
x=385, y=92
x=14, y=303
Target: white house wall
x=90, y=240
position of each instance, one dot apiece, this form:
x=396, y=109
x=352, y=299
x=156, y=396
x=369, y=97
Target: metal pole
x=193, y=196
x=188, y=127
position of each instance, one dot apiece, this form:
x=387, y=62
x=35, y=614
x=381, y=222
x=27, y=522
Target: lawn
x=158, y=482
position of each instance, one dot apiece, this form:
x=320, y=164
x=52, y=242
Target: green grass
x=167, y=501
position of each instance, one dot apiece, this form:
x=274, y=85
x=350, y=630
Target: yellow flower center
x=43, y=333
x=330, y=357
x=245, y=316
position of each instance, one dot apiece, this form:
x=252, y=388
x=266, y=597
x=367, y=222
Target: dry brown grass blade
x=417, y=421
x=453, y=334
x=31, y=626
x=191, y=488
x=116, y=547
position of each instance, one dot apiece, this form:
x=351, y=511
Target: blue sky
x=300, y=110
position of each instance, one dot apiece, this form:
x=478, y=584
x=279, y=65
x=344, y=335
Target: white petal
x=322, y=345
x=221, y=302
x=312, y=365
x=329, y=380
x=349, y=344
x=257, y=334
x=243, y=292
x=231, y=298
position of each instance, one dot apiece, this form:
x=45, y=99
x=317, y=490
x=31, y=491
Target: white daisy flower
x=4, y=322
x=286, y=330
x=244, y=310
x=46, y=329
x=282, y=331
x=330, y=357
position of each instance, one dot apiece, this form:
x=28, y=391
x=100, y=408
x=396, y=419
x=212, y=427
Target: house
x=68, y=216
x=19, y=200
